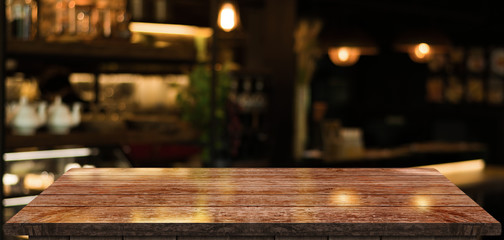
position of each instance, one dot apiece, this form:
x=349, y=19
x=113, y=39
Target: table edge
x=253, y=229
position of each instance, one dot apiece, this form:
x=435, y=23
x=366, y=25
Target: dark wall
x=385, y=94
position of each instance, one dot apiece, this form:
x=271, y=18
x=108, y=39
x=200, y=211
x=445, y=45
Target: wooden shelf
x=103, y=50
x=99, y=139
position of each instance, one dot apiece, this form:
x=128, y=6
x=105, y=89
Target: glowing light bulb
x=10, y=179
x=422, y=50
x=228, y=17
x=344, y=56
x=421, y=53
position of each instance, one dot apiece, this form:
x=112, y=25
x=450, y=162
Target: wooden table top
x=253, y=201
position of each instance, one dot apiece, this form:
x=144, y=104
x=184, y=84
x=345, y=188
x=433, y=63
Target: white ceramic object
x=26, y=119
x=60, y=119
x=10, y=110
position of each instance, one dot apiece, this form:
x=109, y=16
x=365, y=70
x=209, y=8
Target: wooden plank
x=241, y=184
x=173, y=189
x=411, y=215
x=320, y=200
x=254, y=171
x=252, y=179
x=313, y=203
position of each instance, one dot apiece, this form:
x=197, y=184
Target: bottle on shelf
x=61, y=16
x=22, y=19
x=120, y=19
x=136, y=8
x=75, y=20
x=161, y=11
x=104, y=19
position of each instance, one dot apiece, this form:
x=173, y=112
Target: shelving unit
x=99, y=139
x=101, y=51
x=93, y=57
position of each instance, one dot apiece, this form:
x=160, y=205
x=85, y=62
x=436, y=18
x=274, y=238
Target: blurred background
x=252, y=83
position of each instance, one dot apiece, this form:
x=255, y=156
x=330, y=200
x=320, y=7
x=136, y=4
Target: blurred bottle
x=259, y=97
x=120, y=20
x=161, y=11
x=104, y=18
x=47, y=19
x=245, y=97
x=71, y=18
x=84, y=22
x=136, y=8
x=22, y=16
x=61, y=17
x=352, y=145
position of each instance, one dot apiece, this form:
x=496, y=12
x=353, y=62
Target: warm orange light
x=459, y=167
x=344, y=198
x=421, y=53
x=423, y=49
x=344, y=56
x=228, y=17
x=169, y=29
x=421, y=201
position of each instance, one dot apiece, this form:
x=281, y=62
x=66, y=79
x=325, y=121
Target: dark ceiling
x=464, y=22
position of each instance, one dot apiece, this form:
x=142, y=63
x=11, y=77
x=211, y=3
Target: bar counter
x=253, y=203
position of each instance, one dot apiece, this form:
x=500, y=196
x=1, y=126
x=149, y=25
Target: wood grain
x=336, y=199
x=208, y=190
x=253, y=204
x=256, y=178
x=254, y=171
x=284, y=214
x=239, y=184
